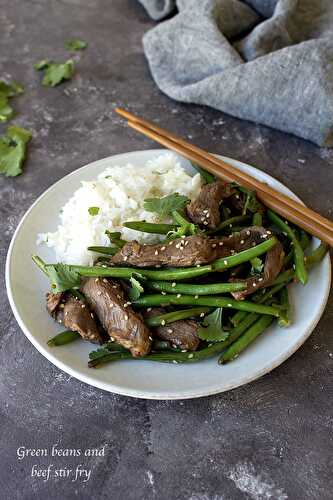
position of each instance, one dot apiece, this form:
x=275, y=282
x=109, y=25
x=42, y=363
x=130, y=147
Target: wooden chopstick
x=282, y=204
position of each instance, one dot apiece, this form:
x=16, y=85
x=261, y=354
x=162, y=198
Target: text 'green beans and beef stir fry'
x=216, y=281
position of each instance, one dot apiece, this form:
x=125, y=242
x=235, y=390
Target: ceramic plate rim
x=109, y=387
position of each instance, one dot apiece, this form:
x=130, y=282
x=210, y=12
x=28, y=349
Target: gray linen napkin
x=268, y=61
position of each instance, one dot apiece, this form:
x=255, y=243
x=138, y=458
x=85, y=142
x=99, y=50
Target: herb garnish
x=93, y=210
x=166, y=205
x=62, y=277
x=13, y=150
x=8, y=90
x=74, y=45
x=55, y=73
x=211, y=329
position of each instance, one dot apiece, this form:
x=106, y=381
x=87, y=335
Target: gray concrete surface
x=271, y=439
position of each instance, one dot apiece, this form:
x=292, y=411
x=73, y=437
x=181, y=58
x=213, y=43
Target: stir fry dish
x=216, y=278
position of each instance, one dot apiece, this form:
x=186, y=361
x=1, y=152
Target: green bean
x=257, y=219
x=150, y=227
x=245, y=340
x=165, y=319
x=105, y=250
x=228, y=223
x=195, y=289
x=317, y=255
x=179, y=273
x=189, y=300
x=285, y=315
x=261, y=299
x=244, y=256
x=300, y=268
x=40, y=263
x=63, y=338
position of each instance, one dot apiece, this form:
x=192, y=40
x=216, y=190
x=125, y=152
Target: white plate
x=26, y=287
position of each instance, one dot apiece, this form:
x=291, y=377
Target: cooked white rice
x=119, y=193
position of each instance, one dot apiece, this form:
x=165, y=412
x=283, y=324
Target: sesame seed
x=105, y=280
x=150, y=338
x=242, y=242
x=96, y=280
x=112, y=339
x=178, y=295
x=186, y=243
x=163, y=322
x=162, y=249
x=207, y=216
x=91, y=314
x=183, y=236
x=149, y=309
x=66, y=313
x=202, y=219
x=202, y=315
x=118, y=296
x=190, y=356
x=181, y=249
x=269, y=232
x=196, y=296
x=264, y=236
x=198, y=265
x=232, y=252
x=205, y=211
x=62, y=306
x=170, y=242
x=125, y=258
x=174, y=361
x=254, y=284
x=125, y=305
x=126, y=317
x=178, y=245
x=214, y=245
x=163, y=293
x=104, y=265
x=260, y=279
x=114, y=286
x=169, y=330
x=221, y=243
x=59, y=321
x=83, y=306
x=156, y=252
x=229, y=305
x=173, y=284
x=225, y=262
x=248, y=233
x=205, y=223
x=111, y=305
x=99, y=293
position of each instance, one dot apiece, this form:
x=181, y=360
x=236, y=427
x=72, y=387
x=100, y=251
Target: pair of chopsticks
x=304, y=217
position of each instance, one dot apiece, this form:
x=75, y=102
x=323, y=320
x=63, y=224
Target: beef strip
x=107, y=299
x=74, y=315
x=181, y=333
x=205, y=209
x=189, y=251
x=272, y=267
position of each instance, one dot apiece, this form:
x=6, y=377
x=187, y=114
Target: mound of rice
x=119, y=193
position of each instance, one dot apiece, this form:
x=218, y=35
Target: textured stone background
x=269, y=439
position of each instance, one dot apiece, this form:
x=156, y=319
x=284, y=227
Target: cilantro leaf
x=206, y=177
x=55, y=73
x=99, y=353
x=257, y=265
x=8, y=90
x=135, y=290
x=74, y=45
x=115, y=238
x=93, y=210
x=13, y=150
x=211, y=329
x=166, y=205
x=62, y=277
x=185, y=228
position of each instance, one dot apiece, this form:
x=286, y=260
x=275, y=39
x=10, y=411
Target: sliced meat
x=189, y=251
x=181, y=333
x=74, y=315
x=108, y=301
x=273, y=265
x=182, y=252
x=205, y=210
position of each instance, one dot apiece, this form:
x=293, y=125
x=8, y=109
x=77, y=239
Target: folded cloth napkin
x=268, y=61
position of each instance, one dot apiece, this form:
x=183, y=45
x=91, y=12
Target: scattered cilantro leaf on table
x=8, y=90
x=93, y=210
x=211, y=329
x=55, y=73
x=166, y=205
x=62, y=277
x=74, y=45
x=13, y=150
